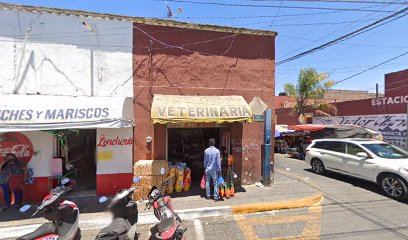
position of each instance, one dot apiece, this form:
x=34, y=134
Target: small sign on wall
x=56, y=167
x=259, y=118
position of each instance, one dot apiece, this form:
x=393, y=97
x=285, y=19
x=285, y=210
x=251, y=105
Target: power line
x=277, y=6
x=277, y=12
x=302, y=24
x=347, y=44
x=319, y=23
x=339, y=1
x=371, y=68
x=255, y=16
x=352, y=34
x=321, y=38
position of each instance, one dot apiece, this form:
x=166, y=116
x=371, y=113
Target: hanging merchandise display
x=187, y=179
x=179, y=178
x=172, y=179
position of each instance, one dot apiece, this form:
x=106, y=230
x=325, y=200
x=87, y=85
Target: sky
x=299, y=28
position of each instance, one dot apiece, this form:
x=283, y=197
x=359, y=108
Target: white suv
x=371, y=160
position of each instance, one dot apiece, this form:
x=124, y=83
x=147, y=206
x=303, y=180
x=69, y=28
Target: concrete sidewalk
x=284, y=190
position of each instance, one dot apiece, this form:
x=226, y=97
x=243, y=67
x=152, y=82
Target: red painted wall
x=33, y=192
x=396, y=84
x=109, y=184
x=241, y=65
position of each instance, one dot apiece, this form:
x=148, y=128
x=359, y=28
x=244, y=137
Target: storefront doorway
x=188, y=145
x=81, y=155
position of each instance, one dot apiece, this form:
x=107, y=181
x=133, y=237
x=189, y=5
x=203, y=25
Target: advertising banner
x=28, y=112
x=392, y=126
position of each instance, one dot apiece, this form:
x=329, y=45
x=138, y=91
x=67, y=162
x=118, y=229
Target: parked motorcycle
x=125, y=215
x=169, y=226
x=62, y=214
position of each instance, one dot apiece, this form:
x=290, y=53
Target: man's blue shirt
x=212, y=160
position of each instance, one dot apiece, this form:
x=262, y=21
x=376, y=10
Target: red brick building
x=173, y=58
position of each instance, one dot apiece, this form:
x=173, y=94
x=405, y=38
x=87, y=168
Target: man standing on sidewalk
x=212, y=166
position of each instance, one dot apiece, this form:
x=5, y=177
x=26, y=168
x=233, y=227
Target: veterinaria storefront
x=188, y=122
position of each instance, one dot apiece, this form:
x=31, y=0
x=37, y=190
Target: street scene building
x=69, y=78
x=191, y=119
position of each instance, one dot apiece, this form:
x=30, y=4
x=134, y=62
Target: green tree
x=309, y=89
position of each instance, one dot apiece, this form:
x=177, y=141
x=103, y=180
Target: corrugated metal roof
x=141, y=20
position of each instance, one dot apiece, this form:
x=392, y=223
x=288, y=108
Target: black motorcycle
x=125, y=215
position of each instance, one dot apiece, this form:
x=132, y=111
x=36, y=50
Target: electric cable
x=352, y=34
x=275, y=6
x=368, y=69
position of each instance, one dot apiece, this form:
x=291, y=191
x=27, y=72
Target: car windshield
x=386, y=151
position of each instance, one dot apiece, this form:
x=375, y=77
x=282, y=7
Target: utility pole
x=406, y=131
x=266, y=148
x=376, y=90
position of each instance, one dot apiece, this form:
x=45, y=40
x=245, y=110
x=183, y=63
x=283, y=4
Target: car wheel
x=318, y=166
x=394, y=186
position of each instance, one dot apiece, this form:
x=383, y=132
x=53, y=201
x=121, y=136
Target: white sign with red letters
x=114, y=150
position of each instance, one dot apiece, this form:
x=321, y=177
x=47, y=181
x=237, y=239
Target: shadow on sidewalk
x=86, y=204
x=90, y=204
x=370, y=186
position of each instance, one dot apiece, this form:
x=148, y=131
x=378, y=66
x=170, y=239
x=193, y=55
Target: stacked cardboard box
x=149, y=173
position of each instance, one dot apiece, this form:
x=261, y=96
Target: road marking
x=311, y=229
x=199, y=229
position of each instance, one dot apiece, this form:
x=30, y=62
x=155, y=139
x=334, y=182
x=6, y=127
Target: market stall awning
x=177, y=108
x=307, y=127
x=40, y=112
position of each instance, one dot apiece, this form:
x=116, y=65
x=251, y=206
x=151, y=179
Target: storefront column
x=252, y=140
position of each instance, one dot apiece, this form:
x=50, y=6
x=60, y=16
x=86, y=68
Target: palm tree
x=310, y=88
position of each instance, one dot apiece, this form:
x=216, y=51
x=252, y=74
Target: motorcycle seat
x=43, y=230
x=166, y=224
x=118, y=227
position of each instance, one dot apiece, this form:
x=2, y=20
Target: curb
x=143, y=219
x=286, y=204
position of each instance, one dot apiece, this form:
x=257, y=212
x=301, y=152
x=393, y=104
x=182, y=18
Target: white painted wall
x=114, y=151
x=63, y=57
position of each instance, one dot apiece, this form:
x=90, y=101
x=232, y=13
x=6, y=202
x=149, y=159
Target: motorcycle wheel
x=132, y=234
x=78, y=235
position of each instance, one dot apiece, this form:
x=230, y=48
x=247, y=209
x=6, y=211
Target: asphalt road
x=352, y=208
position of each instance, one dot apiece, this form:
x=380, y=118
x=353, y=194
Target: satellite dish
x=170, y=13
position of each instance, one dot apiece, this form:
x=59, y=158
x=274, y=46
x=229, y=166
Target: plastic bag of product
x=172, y=180
x=178, y=187
x=202, y=184
x=187, y=179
